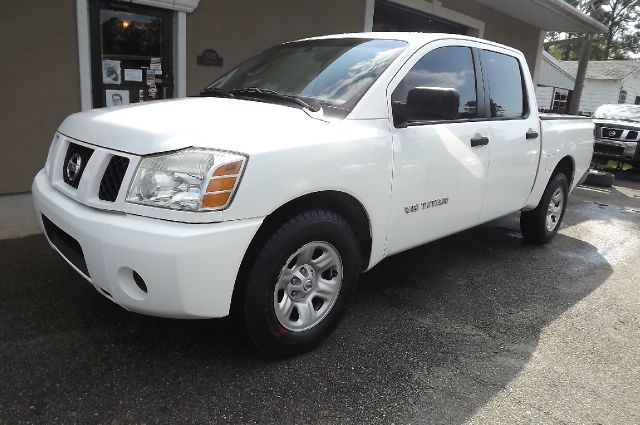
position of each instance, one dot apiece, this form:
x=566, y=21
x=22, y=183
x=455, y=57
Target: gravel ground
x=475, y=328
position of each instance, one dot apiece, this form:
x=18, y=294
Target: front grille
x=608, y=149
x=68, y=246
x=632, y=135
x=75, y=161
x=112, y=178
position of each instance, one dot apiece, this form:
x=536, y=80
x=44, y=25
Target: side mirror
x=429, y=104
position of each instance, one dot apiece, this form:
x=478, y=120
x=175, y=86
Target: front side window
x=446, y=69
x=506, y=88
x=332, y=73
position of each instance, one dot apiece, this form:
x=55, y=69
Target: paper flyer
x=151, y=77
x=110, y=71
x=117, y=97
x=133, y=75
x=156, y=65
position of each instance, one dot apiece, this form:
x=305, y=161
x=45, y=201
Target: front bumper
x=617, y=150
x=189, y=269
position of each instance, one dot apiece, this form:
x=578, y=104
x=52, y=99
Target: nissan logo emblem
x=74, y=165
x=612, y=133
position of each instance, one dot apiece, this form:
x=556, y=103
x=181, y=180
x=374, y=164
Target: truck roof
x=413, y=38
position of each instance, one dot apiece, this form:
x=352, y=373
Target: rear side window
x=448, y=68
x=506, y=87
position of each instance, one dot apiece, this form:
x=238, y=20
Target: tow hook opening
x=132, y=283
x=139, y=281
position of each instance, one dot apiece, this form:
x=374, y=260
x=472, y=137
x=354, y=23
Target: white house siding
x=599, y=92
x=632, y=86
x=544, y=96
x=553, y=75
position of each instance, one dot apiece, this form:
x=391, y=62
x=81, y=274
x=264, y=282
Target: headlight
x=191, y=179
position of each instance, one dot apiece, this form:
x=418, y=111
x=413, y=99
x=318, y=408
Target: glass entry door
x=131, y=53
x=394, y=17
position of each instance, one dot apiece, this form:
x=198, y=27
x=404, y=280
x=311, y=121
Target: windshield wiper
x=264, y=93
x=215, y=92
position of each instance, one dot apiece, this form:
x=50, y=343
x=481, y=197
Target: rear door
x=439, y=167
x=514, y=133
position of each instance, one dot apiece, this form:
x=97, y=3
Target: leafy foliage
x=621, y=41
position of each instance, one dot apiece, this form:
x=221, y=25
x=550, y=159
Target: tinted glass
x=447, y=67
x=505, y=84
x=133, y=34
x=334, y=73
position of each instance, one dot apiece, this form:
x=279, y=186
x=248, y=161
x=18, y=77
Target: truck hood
x=227, y=124
x=616, y=123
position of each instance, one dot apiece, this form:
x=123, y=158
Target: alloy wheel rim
x=554, y=210
x=308, y=286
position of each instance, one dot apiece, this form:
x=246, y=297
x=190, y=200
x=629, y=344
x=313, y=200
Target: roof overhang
x=548, y=15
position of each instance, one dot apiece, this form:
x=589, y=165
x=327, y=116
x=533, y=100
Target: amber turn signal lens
x=229, y=169
x=219, y=185
x=215, y=200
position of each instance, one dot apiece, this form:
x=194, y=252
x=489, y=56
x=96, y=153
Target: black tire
x=263, y=327
x=533, y=224
x=600, y=178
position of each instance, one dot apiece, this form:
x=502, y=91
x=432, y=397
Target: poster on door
x=116, y=97
x=111, y=71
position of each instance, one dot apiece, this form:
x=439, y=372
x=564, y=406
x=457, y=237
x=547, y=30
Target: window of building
x=506, y=86
x=560, y=99
x=622, y=98
x=637, y=102
x=446, y=67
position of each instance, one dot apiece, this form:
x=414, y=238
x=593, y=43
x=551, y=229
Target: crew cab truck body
x=301, y=168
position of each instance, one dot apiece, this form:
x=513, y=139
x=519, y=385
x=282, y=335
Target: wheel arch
x=567, y=166
x=342, y=203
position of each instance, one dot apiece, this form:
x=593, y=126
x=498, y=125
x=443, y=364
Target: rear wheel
x=301, y=283
x=541, y=224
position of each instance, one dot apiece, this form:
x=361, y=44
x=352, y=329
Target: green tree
x=621, y=41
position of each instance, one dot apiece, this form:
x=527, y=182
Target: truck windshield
x=618, y=112
x=329, y=73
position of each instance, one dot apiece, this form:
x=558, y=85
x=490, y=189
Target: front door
x=389, y=16
x=131, y=53
x=440, y=165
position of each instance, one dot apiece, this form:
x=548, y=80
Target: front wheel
x=541, y=224
x=301, y=283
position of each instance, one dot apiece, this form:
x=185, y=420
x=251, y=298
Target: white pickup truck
x=269, y=193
